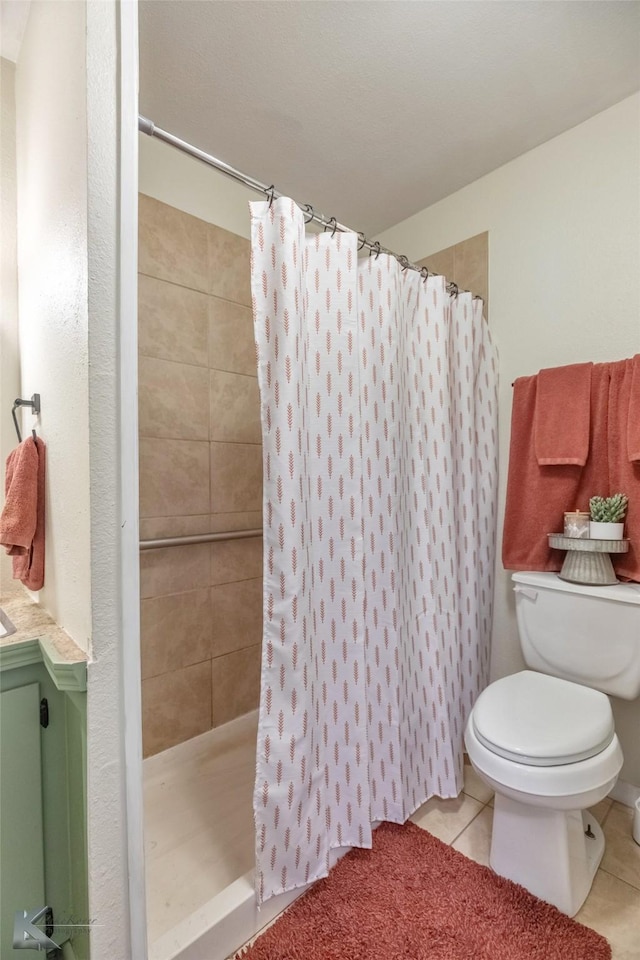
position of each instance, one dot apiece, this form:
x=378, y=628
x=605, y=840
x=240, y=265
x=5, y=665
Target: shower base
x=199, y=846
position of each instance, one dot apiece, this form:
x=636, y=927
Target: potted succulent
x=607, y=517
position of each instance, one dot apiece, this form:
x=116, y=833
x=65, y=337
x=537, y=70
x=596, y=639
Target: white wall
x=190, y=185
x=52, y=290
x=9, y=361
x=68, y=163
x=564, y=284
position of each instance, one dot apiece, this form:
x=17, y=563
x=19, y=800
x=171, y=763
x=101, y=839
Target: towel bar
x=199, y=538
x=34, y=403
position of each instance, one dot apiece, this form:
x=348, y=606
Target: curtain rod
x=148, y=126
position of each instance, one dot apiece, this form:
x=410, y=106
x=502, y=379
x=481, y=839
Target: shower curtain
x=379, y=409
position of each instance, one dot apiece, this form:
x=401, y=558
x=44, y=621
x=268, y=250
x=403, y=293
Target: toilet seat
x=534, y=719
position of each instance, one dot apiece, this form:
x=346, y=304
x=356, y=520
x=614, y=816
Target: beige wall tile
x=236, y=560
x=232, y=344
x=175, y=631
x=175, y=707
x=174, y=477
x=235, y=408
x=236, y=477
x=235, y=680
x=173, y=400
x=173, y=322
x=153, y=528
x=174, y=569
x=466, y=263
x=172, y=245
x=223, y=522
x=472, y=265
x=441, y=262
x=229, y=265
x=236, y=614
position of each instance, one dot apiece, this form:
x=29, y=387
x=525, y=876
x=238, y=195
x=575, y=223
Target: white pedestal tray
x=588, y=561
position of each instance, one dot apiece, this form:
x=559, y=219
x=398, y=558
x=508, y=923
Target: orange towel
x=624, y=473
x=633, y=420
x=562, y=415
x=22, y=519
x=537, y=496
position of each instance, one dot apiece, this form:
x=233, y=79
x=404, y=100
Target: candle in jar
x=576, y=525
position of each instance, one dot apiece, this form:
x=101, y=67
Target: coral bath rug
x=414, y=898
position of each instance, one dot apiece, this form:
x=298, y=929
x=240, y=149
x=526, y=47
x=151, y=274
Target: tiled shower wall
x=201, y=468
x=466, y=263
x=200, y=472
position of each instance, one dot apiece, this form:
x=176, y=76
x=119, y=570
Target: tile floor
x=613, y=905
x=198, y=834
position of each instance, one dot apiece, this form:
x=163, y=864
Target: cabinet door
x=21, y=835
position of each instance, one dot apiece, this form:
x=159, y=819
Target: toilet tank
x=590, y=635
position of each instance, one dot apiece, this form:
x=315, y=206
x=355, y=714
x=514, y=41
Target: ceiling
x=372, y=111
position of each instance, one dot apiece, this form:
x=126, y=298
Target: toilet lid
x=543, y=721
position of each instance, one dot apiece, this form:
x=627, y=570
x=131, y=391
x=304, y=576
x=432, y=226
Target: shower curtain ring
x=332, y=220
x=375, y=246
x=424, y=273
x=453, y=289
x=362, y=240
x=404, y=262
x=270, y=194
x=308, y=209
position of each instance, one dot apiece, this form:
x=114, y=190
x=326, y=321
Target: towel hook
x=34, y=403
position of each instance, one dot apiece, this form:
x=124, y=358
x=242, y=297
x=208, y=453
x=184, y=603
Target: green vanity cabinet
x=43, y=848
x=21, y=831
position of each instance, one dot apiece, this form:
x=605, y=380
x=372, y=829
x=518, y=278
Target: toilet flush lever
x=528, y=592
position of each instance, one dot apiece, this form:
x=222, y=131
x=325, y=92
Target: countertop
x=34, y=623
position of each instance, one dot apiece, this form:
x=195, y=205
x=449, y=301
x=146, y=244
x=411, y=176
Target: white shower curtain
x=379, y=409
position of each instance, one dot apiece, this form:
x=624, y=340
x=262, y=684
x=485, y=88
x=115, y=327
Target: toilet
x=544, y=738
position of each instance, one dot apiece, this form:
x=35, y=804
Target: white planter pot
x=606, y=531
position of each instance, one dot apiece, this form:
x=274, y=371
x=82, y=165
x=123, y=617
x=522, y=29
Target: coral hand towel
x=561, y=427
x=633, y=422
x=22, y=519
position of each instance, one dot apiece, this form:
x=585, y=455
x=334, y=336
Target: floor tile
x=475, y=840
x=621, y=853
x=445, y=819
x=474, y=786
x=613, y=909
x=601, y=809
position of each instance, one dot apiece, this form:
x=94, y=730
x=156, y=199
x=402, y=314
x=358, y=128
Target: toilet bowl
x=548, y=748
x=544, y=738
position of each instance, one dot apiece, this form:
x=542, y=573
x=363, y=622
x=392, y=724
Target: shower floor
x=198, y=820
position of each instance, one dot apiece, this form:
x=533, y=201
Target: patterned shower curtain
x=379, y=420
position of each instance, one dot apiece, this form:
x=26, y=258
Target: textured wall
x=200, y=472
x=53, y=309
x=67, y=166
x=564, y=274
x=9, y=359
